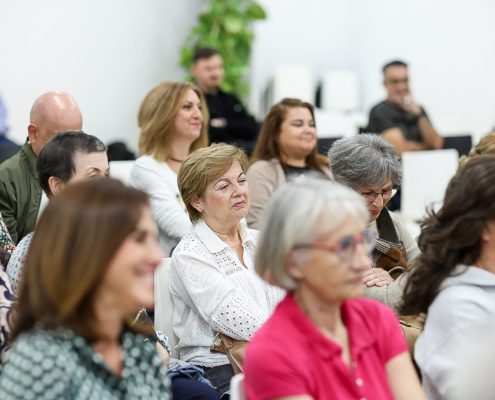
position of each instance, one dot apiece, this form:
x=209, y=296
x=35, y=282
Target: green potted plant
x=226, y=26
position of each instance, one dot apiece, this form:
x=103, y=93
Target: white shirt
x=213, y=292
x=160, y=182
x=465, y=302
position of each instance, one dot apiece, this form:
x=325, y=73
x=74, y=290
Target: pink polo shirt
x=289, y=356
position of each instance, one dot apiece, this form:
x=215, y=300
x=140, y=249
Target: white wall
x=107, y=54
x=448, y=43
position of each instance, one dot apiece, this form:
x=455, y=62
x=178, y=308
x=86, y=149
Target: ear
x=197, y=203
x=293, y=267
x=32, y=133
x=488, y=231
x=55, y=184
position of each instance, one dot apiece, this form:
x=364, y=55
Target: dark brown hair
x=267, y=146
x=452, y=236
x=75, y=240
x=204, y=53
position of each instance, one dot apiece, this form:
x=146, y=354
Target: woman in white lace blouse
x=213, y=283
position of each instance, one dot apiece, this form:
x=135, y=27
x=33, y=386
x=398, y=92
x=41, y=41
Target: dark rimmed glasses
x=371, y=196
x=345, y=248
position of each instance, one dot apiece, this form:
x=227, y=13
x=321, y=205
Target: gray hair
x=301, y=212
x=364, y=161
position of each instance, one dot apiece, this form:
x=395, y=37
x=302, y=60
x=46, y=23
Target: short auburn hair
x=204, y=166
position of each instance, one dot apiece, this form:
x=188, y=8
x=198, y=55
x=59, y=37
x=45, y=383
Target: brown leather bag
x=233, y=348
x=412, y=326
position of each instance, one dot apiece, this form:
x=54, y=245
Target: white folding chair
x=164, y=306
x=121, y=170
x=425, y=176
x=339, y=91
x=293, y=81
x=237, y=388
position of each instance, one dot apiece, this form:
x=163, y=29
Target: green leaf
x=233, y=23
x=255, y=11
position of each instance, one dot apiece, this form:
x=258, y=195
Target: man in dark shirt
x=229, y=120
x=399, y=119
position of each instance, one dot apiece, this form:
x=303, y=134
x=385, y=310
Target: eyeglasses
x=370, y=197
x=397, y=81
x=345, y=248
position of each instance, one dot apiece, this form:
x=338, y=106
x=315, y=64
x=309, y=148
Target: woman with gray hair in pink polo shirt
x=324, y=341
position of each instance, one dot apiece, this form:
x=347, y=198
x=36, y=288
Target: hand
x=377, y=277
x=218, y=122
x=407, y=103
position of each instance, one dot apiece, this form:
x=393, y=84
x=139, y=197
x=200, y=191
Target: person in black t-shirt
x=229, y=120
x=399, y=119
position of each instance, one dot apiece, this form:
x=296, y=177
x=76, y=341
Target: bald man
x=20, y=192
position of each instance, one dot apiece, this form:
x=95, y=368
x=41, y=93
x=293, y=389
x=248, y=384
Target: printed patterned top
x=16, y=262
x=58, y=364
x=6, y=303
x=6, y=243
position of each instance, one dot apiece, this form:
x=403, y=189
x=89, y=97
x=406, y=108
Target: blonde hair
x=156, y=118
x=202, y=167
x=486, y=145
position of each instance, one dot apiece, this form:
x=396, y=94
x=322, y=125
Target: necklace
x=175, y=159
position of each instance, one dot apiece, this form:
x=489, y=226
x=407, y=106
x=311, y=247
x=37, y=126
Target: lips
x=145, y=275
x=239, y=205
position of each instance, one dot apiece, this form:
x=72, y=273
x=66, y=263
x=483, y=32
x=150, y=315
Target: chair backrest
x=237, y=388
x=164, y=306
x=461, y=143
x=339, y=91
x=121, y=170
x=294, y=81
x=334, y=124
x=425, y=176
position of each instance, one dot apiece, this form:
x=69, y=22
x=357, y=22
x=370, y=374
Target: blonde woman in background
x=173, y=119
x=486, y=145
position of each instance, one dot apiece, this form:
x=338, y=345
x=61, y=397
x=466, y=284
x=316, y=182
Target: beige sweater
x=264, y=177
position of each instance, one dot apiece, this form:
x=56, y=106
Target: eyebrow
x=96, y=169
x=302, y=120
x=227, y=179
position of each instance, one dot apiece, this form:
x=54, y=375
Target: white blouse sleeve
x=168, y=211
x=215, y=297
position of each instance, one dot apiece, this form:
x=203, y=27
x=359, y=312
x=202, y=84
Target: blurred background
x=108, y=54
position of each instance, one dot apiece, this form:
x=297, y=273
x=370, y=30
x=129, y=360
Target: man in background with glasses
x=399, y=119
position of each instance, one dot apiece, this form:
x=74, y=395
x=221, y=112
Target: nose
x=378, y=200
x=197, y=113
x=155, y=253
x=310, y=129
x=240, y=189
x=360, y=260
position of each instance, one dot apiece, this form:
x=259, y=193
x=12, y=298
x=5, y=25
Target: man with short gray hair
x=399, y=119
x=20, y=192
